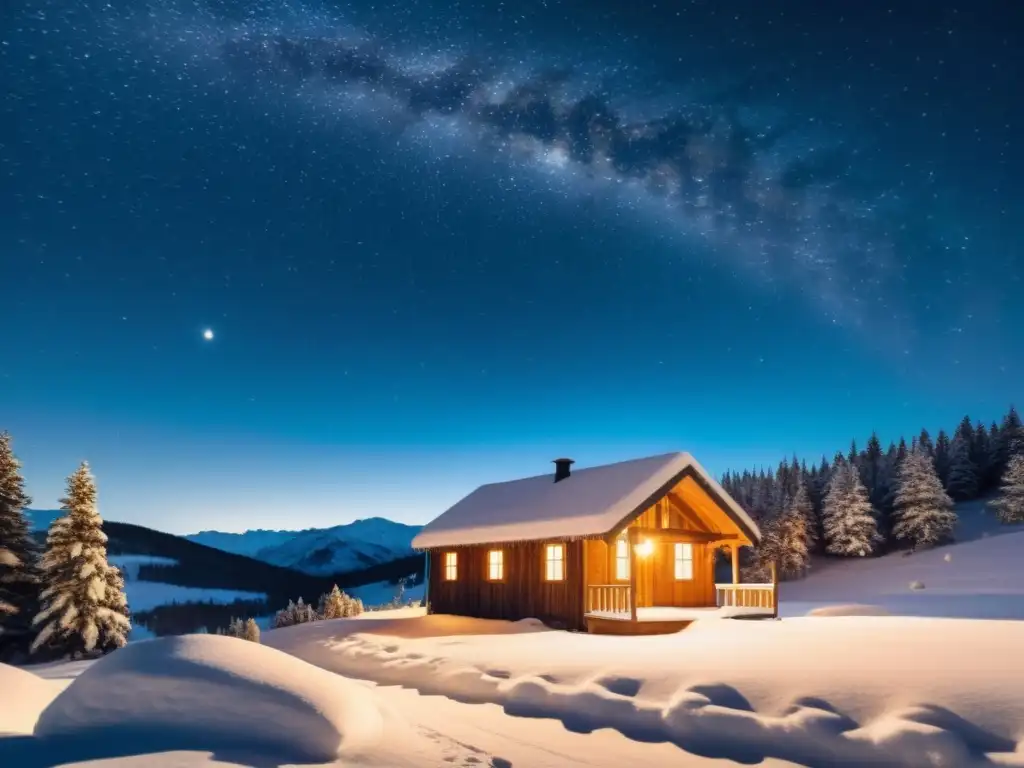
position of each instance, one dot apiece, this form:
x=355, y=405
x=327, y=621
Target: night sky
x=440, y=244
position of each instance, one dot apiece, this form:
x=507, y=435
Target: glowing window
x=683, y=562
x=451, y=566
x=495, y=565
x=666, y=517
x=554, y=563
x=622, y=560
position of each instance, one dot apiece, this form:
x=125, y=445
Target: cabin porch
x=662, y=596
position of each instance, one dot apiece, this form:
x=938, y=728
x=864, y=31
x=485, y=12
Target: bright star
x=208, y=334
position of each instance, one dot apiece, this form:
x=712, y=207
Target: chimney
x=562, y=468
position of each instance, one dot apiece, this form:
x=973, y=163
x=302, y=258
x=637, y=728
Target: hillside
x=175, y=585
x=202, y=566
x=979, y=576
x=320, y=551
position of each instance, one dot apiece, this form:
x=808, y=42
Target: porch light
x=644, y=548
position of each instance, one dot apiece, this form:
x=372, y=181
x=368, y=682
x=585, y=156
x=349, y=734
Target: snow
x=129, y=564
x=842, y=690
x=147, y=595
x=983, y=578
x=24, y=695
x=206, y=692
x=589, y=502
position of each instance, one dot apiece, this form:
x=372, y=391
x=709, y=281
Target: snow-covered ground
x=983, y=578
x=415, y=690
x=814, y=691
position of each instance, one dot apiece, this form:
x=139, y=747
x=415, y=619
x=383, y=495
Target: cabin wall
x=523, y=593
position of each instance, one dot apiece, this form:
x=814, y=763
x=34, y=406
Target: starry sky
x=440, y=244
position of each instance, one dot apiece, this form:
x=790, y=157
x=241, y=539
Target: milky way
x=775, y=199
x=786, y=217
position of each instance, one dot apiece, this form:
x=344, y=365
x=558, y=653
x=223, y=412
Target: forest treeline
x=869, y=501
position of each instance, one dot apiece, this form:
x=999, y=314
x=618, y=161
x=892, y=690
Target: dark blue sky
x=439, y=245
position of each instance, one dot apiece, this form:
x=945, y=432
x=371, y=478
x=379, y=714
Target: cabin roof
x=590, y=502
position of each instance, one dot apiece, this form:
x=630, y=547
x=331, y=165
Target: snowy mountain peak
x=346, y=547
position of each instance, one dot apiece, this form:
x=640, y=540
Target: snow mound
x=22, y=697
x=213, y=693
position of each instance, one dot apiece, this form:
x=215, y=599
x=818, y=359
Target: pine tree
x=19, y=558
x=115, y=635
x=251, y=632
x=1009, y=442
x=792, y=536
x=849, y=520
x=1009, y=505
x=981, y=456
x=284, y=617
x=942, y=443
x=962, y=481
x=333, y=604
x=924, y=513
x=924, y=443
x=77, y=616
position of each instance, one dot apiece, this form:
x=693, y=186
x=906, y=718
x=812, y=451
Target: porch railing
x=745, y=596
x=608, y=598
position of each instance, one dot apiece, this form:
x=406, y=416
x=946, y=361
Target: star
x=208, y=334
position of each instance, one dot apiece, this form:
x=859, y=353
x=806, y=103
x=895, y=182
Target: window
x=622, y=559
x=666, y=517
x=451, y=566
x=495, y=565
x=684, y=562
x=554, y=563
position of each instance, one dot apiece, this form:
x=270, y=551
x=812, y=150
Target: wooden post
x=775, y=590
x=586, y=578
x=735, y=563
x=426, y=580
x=632, y=575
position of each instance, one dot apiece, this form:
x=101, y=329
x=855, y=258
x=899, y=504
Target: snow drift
x=213, y=693
x=23, y=696
x=836, y=691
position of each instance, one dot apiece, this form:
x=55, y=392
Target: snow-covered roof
x=590, y=502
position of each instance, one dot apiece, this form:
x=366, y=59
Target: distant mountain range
x=320, y=551
x=316, y=551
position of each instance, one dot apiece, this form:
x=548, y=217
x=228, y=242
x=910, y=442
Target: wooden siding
x=523, y=592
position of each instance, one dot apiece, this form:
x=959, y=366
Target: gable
x=590, y=502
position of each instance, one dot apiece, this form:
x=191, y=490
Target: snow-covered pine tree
x=924, y=514
x=285, y=617
x=792, y=535
x=19, y=558
x=849, y=520
x=76, y=615
x=332, y=604
x=962, y=477
x=251, y=631
x=1009, y=505
x=115, y=634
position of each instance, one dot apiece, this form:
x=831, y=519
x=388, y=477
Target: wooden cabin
x=626, y=548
